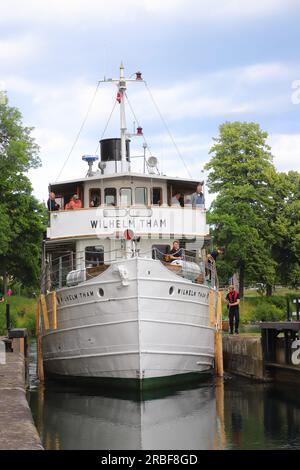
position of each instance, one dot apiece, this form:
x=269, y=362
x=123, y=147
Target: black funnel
x=111, y=150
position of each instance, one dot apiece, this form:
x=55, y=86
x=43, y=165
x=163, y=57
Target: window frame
x=146, y=203
x=115, y=196
x=120, y=196
x=90, y=196
x=161, y=195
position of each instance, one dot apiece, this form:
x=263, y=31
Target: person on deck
x=233, y=301
x=52, y=204
x=175, y=199
x=176, y=253
x=198, y=197
x=181, y=200
x=211, y=262
x=74, y=204
x=213, y=255
x=2, y=299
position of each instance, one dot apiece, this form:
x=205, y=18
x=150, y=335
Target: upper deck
x=114, y=203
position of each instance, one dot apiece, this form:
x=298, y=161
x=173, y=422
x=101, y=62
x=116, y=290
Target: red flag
x=119, y=97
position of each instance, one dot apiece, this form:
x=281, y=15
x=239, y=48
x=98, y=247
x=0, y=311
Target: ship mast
x=122, y=91
x=121, y=83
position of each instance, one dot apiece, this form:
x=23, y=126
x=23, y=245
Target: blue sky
x=205, y=62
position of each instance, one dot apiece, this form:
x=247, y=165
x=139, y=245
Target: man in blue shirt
x=198, y=197
x=52, y=204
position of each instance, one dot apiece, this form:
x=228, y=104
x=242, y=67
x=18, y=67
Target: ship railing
x=56, y=271
x=86, y=264
x=189, y=265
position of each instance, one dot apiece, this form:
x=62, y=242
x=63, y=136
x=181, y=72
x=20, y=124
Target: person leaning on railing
x=211, y=261
x=51, y=203
x=198, y=197
x=175, y=199
x=74, y=204
x=176, y=253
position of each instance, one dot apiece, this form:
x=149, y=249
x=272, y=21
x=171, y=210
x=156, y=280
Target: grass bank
x=22, y=312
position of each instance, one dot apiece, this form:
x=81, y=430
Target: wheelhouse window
x=110, y=196
x=94, y=197
x=94, y=256
x=125, y=197
x=141, y=196
x=156, y=196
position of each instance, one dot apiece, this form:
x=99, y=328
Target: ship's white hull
x=137, y=320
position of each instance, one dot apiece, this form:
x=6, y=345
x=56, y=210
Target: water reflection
x=235, y=414
x=231, y=414
x=261, y=416
x=182, y=419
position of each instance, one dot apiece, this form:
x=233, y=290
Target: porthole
x=171, y=290
x=101, y=292
x=148, y=272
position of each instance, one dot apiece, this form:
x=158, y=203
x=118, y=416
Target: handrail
x=132, y=206
x=55, y=275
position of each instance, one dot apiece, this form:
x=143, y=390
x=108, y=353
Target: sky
x=205, y=62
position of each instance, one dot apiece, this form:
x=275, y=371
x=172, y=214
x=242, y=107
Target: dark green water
x=230, y=414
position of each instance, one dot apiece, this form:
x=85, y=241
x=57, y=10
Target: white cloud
x=19, y=50
x=72, y=12
x=236, y=9
x=80, y=11
x=223, y=93
x=264, y=72
x=286, y=151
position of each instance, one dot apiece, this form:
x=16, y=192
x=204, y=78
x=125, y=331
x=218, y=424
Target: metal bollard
x=8, y=322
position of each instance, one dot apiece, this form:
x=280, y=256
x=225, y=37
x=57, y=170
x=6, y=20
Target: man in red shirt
x=233, y=301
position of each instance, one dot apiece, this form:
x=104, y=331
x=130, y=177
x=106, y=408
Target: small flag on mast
x=119, y=97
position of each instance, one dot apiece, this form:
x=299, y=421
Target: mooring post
x=54, y=310
x=44, y=311
x=40, y=366
x=218, y=338
x=211, y=304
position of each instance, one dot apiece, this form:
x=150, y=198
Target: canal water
x=233, y=413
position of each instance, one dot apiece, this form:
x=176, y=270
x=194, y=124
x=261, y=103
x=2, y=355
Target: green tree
x=22, y=217
x=285, y=228
x=241, y=172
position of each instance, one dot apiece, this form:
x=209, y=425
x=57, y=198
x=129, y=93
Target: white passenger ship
x=115, y=306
